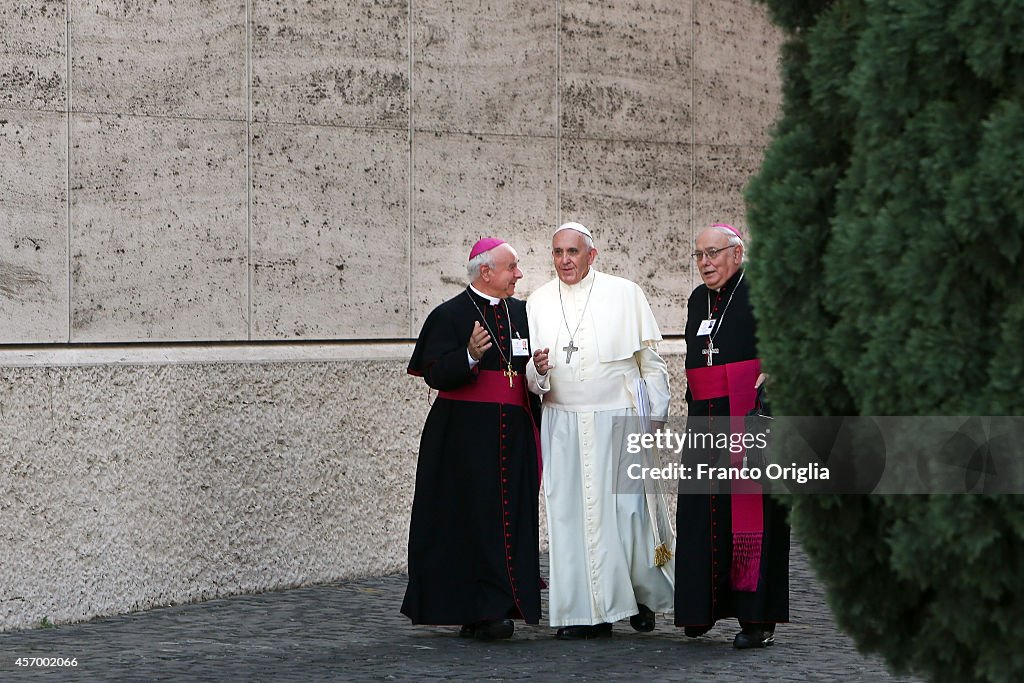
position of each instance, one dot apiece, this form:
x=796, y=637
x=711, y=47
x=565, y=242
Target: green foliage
x=888, y=218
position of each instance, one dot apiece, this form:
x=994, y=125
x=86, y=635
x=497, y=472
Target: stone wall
x=212, y=215
x=128, y=486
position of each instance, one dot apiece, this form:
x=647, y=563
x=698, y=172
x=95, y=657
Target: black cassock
x=473, y=539
x=704, y=546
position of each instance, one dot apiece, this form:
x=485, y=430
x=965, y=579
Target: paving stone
x=354, y=631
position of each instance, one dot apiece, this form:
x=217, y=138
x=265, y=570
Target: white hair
x=479, y=261
x=733, y=237
x=733, y=240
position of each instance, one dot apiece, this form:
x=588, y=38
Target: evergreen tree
x=888, y=221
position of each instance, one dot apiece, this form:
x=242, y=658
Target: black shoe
x=603, y=630
x=697, y=631
x=643, y=621
x=754, y=636
x=495, y=629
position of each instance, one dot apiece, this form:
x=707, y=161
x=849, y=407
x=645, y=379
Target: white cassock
x=601, y=543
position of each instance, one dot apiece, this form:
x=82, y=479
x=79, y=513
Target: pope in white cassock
x=593, y=336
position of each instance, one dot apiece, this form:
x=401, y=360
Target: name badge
x=520, y=347
x=706, y=327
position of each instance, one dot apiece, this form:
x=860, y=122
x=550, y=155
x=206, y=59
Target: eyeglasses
x=710, y=252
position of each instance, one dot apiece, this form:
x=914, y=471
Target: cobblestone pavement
x=354, y=631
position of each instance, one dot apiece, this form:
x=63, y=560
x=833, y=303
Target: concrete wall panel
x=158, y=229
x=33, y=54
x=735, y=70
x=166, y=57
x=331, y=63
x=33, y=227
x=330, y=254
x=720, y=177
x=488, y=67
x=626, y=71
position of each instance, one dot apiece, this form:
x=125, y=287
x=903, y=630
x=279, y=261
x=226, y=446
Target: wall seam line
x=558, y=114
x=67, y=158
x=248, y=169
x=693, y=137
x=412, y=176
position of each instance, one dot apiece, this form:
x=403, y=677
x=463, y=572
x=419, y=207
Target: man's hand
x=540, y=361
x=761, y=379
x=479, y=341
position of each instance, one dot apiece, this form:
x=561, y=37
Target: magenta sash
x=492, y=386
x=736, y=381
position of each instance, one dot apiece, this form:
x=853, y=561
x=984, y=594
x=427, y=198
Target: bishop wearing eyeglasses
x=732, y=551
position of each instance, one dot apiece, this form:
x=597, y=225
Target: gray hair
x=733, y=240
x=733, y=237
x=587, y=239
x=479, y=261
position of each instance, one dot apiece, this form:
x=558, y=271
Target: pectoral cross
x=510, y=373
x=710, y=351
x=568, y=351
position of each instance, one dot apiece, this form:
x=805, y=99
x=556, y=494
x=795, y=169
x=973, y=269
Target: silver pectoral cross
x=709, y=352
x=568, y=351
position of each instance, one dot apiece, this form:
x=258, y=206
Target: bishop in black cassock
x=473, y=539
x=732, y=551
